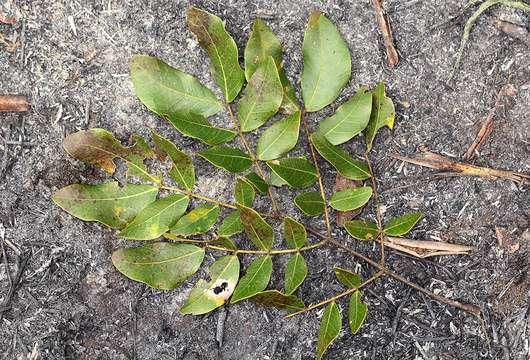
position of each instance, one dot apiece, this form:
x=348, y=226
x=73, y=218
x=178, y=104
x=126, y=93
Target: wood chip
x=386, y=31
x=505, y=241
x=13, y=103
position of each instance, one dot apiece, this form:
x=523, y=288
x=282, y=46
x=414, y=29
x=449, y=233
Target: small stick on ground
x=220, y=327
x=513, y=30
x=391, y=53
x=487, y=125
x=456, y=168
x=13, y=103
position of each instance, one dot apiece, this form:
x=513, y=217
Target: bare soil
x=70, y=303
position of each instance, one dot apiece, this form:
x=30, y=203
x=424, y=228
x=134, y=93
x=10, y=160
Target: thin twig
x=13, y=103
x=377, y=207
x=338, y=296
x=252, y=155
x=391, y=53
x=319, y=177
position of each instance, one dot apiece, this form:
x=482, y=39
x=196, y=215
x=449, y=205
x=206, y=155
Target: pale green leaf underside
x=361, y=229
x=330, y=326
x=327, y=63
x=279, y=139
x=166, y=90
x=294, y=233
x=261, y=98
x=208, y=296
x=349, y=120
x=106, y=203
x=221, y=48
x=231, y=225
x=160, y=265
x=255, y=280
x=156, y=218
x=350, y=199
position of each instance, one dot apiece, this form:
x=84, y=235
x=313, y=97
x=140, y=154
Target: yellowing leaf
x=198, y=221
x=208, y=296
x=221, y=48
x=327, y=63
x=383, y=114
x=330, y=326
x=183, y=171
x=166, y=90
x=279, y=139
x=160, y=265
x=257, y=229
x=261, y=98
x=106, y=203
x=255, y=280
x=99, y=147
x=156, y=218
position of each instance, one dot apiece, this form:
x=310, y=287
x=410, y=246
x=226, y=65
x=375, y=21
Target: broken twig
x=391, y=53
x=13, y=103
x=487, y=125
x=456, y=168
x=424, y=249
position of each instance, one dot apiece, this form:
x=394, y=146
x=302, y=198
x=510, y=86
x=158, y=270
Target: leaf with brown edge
x=221, y=48
x=342, y=183
x=274, y=298
x=257, y=229
x=107, y=203
x=160, y=265
x=99, y=147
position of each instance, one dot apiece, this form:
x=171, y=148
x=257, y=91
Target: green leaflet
x=207, y=296
x=258, y=183
x=231, y=225
x=261, y=98
x=257, y=229
x=362, y=230
x=106, y=203
x=280, y=138
x=402, y=225
x=311, y=203
x=347, y=278
x=198, y=127
x=99, y=147
x=297, y=172
x=295, y=273
x=327, y=63
x=183, y=171
x=276, y=299
x=262, y=44
x=295, y=233
x=224, y=243
x=161, y=265
x=383, y=114
x=350, y=199
x=349, y=120
x=229, y=158
x=166, y=90
x=330, y=326
x=156, y=218
x=221, y=48
x=357, y=312
x=340, y=159
x=197, y=221
x=275, y=180
x=255, y=279
x=244, y=192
